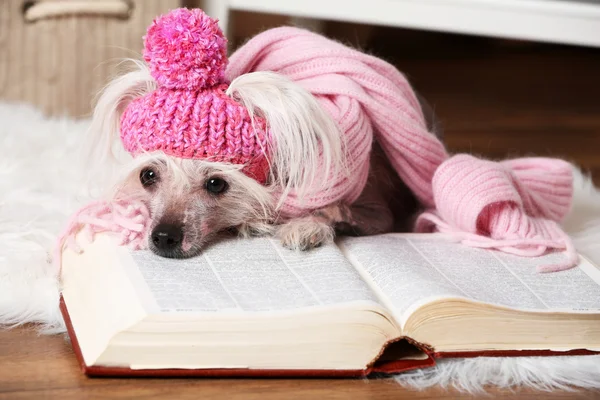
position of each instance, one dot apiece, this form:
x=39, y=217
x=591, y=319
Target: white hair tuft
x=306, y=140
x=110, y=104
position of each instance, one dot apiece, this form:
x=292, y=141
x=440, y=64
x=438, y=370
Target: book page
x=255, y=274
x=409, y=271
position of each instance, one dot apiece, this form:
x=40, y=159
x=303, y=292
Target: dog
x=193, y=200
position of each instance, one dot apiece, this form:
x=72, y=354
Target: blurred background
x=505, y=77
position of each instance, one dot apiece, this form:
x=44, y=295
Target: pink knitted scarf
x=364, y=95
x=513, y=206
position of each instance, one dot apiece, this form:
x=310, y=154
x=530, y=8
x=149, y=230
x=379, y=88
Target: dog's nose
x=167, y=236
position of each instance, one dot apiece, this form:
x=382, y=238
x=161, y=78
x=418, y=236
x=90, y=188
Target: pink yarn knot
x=127, y=219
x=513, y=206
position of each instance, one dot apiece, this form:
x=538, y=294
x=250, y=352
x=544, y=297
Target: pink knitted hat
x=189, y=115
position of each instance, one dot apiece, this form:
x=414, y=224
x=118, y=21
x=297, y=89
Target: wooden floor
x=494, y=98
x=44, y=367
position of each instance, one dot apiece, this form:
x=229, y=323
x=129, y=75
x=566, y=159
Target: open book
x=382, y=303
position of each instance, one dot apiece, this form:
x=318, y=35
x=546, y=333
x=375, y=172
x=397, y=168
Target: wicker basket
x=57, y=54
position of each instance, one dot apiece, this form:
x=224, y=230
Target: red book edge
x=375, y=366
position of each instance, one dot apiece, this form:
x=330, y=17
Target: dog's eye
x=216, y=185
x=148, y=177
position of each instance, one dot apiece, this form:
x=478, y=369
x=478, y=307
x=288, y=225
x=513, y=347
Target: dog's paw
x=305, y=233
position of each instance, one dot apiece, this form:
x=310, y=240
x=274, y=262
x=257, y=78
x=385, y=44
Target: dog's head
x=190, y=201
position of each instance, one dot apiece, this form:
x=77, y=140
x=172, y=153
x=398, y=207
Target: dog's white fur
x=306, y=141
x=41, y=186
x=101, y=141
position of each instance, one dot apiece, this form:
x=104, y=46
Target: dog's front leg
x=315, y=229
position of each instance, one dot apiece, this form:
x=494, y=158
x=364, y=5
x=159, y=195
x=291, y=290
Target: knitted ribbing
x=200, y=125
x=189, y=115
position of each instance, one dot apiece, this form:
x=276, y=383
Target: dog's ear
x=103, y=132
x=305, y=141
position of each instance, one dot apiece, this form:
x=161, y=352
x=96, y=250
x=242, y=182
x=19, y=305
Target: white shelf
x=557, y=21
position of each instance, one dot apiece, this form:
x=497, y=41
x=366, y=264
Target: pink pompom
x=186, y=49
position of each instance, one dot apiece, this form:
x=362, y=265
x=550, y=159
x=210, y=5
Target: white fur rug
x=42, y=183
